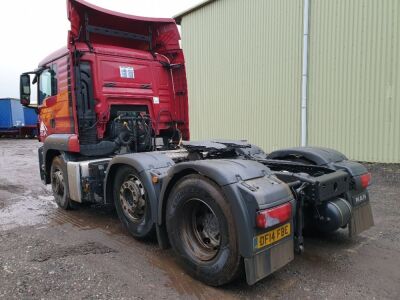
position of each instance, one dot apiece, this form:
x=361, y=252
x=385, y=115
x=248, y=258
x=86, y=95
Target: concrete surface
x=47, y=253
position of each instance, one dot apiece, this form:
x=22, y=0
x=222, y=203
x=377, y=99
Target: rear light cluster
x=365, y=180
x=272, y=216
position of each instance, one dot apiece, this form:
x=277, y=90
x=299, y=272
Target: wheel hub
x=207, y=230
x=132, y=197
x=211, y=225
x=203, y=235
x=58, y=182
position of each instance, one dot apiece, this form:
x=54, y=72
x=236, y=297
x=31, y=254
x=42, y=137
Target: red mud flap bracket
x=264, y=263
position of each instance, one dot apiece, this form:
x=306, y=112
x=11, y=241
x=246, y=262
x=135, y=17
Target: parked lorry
x=11, y=116
x=16, y=120
x=113, y=114
x=30, y=122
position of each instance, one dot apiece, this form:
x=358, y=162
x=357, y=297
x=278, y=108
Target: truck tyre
x=59, y=183
x=202, y=232
x=131, y=202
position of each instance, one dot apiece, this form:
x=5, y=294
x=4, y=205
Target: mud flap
x=267, y=262
x=361, y=219
x=41, y=165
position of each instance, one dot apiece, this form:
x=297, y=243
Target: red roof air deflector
x=93, y=24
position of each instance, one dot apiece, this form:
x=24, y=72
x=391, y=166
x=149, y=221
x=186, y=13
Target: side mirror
x=25, y=89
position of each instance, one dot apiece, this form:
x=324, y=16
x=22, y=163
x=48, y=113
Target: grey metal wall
x=244, y=74
x=243, y=66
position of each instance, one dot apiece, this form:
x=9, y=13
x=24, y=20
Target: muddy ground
x=47, y=253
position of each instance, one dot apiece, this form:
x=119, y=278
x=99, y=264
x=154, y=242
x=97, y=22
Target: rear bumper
x=264, y=263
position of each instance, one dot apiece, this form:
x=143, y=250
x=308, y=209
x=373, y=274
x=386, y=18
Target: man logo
x=43, y=129
x=360, y=198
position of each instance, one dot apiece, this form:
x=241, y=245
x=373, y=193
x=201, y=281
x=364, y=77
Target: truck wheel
x=59, y=183
x=131, y=202
x=202, y=232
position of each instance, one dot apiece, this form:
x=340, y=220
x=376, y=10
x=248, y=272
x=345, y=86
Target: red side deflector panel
x=163, y=32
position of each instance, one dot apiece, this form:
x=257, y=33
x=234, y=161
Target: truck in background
x=114, y=123
x=30, y=128
x=15, y=120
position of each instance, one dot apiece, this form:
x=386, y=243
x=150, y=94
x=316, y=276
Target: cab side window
x=47, y=83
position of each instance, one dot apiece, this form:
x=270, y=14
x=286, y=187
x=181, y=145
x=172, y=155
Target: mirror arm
x=36, y=71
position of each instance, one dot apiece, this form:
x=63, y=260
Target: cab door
x=54, y=103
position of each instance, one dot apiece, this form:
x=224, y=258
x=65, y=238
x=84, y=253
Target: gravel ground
x=47, y=253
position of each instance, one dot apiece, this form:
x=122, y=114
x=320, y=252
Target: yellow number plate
x=272, y=236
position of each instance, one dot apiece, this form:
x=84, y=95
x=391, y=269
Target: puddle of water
x=181, y=282
x=11, y=188
x=26, y=211
x=90, y=217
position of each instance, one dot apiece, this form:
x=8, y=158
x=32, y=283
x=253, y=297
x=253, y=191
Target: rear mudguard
x=248, y=185
x=322, y=157
x=317, y=155
x=357, y=196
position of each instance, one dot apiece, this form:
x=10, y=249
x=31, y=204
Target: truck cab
x=112, y=71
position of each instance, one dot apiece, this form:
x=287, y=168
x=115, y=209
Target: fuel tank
x=330, y=215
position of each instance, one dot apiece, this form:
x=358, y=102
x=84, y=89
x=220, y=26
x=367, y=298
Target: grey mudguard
x=143, y=161
x=146, y=164
x=57, y=141
x=248, y=186
x=318, y=155
x=53, y=145
x=352, y=167
x=225, y=171
x=322, y=157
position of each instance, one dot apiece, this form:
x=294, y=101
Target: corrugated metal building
x=244, y=67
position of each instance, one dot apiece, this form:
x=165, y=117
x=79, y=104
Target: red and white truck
x=113, y=115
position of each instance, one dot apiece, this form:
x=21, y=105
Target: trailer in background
x=16, y=120
x=30, y=127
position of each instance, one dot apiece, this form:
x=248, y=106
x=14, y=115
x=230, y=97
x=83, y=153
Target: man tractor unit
x=113, y=119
